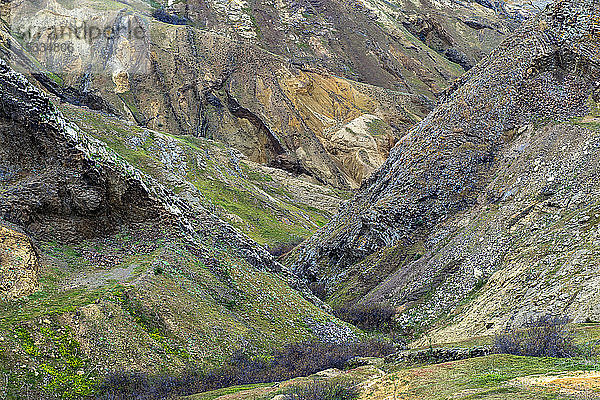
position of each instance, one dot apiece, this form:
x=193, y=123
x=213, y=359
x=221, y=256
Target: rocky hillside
x=110, y=266
x=487, y=209
x=148, y=184
x=321, y=88
x=272, y=206
x=371, y=41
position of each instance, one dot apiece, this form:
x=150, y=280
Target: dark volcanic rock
x=56, y=188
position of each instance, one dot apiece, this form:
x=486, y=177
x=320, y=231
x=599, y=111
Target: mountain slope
x=276, y=81
x=434, y=223
x=271, y=206
x=375, y=42
x=116, y=271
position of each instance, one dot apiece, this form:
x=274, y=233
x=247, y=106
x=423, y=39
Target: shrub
x=300, y=359
x=280, y=249
x=324, y=391
x=547, y=336
x=304, y=359
x=369, y=317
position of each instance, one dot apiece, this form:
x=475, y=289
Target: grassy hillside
x=270, y=206
x=137, y=301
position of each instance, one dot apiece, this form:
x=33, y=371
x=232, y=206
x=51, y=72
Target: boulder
x=19, y=265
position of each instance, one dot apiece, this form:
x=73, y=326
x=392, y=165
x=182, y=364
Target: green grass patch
x=226, y=391
x=261, y=222
x=45, y=302
x=45, y=361
x=482, y=378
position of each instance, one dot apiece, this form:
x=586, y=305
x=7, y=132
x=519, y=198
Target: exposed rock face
x=19, y=265
x=51, y=187
x=274, y=79
x=456, y=161
x=62, y=184
x=261, y=105
x=334, y=34
x=360, y=145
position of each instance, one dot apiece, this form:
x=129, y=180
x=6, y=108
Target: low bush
x=369, y=317
x=547, y=336
x=281, y=249
x=318, y=289
x=301, y=359
x=304, y=359
x=324, y=391
x=173, y=19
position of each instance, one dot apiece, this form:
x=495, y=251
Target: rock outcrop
x=438, y=355
x=19, y=265
x=52, y=186
x=449, y=170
